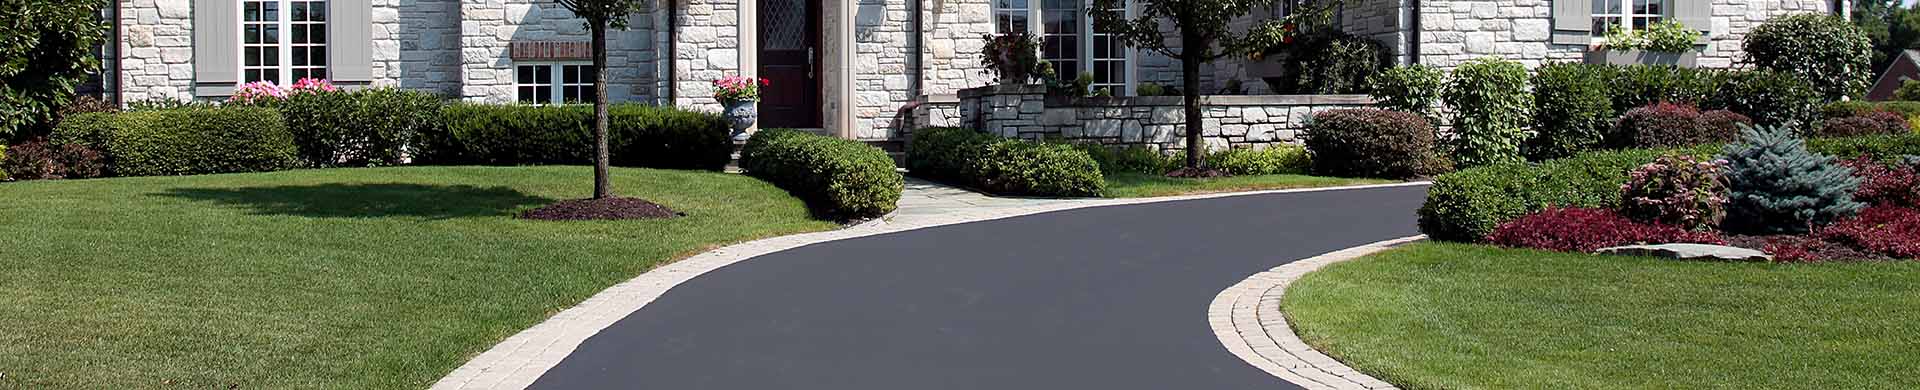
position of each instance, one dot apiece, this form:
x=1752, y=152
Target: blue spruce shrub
x=1779, y=187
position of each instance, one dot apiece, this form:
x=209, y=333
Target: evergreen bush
x=1777, y=186
x=1826, y=51
x=1491, y=109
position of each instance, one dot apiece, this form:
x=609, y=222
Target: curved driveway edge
x=521, y=359
x=1247, y=319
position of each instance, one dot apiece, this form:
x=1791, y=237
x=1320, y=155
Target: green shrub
x=1909, y=91
x=1827, y=52
x=1491, y=108
x=836, y=177
x=1373, y=143
x=46, y=48
x=1639, y=85
x=1330, y=62
x=1149, y=89
x=1572, y=110
x=1882, y=147
x=637, y=136
x=1777, y=186
x=188, y=141
x=1414, y=89
x=1853, y=108
x=1467, y=205
x=359, y=128
x=1135, y=159
x=1274, y=160
x=1003, y=166
x=1770, y=98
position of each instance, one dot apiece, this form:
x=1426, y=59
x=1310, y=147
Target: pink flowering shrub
x=310, y=84
x=1884, y=229
x=733, y=89
x=1588, y=229
x=1881, y=184
x=257, y=92
x=1677, y=191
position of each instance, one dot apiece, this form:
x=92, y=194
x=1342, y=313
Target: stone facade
x=158, y=42
x=1157, y=123
x=1456, y=31
x=488, y=28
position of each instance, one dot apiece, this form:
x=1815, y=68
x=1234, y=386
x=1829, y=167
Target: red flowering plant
x=1589, y=229
x=1676, y=190
x=1882, y=184
x=1883, y=229
x=735, y=89
x=1013, y=57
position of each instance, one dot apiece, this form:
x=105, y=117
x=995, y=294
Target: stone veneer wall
x=489, y=27
x=159, y=49
x=1455, y=31
x=708, y=49
x=1158, y=123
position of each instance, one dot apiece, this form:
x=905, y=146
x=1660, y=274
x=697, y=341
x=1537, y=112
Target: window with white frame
x=553, y=83
x=1626, y=15
x=1069, y=41
x=282, y=41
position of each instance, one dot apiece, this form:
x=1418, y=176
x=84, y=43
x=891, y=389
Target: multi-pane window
x=1068, y=39
x=1626, y=15
x=282, y=41
x=537, y=84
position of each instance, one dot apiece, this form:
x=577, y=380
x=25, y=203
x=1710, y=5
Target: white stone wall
x=708, y=49
x=489, y=27
x=159, y=50
x=416, y=46
x=1455, y=31
x=1157, y=123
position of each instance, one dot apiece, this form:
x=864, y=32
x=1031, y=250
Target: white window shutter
x=350, y=40
x=1573, y=21
x=1695, y=14
x=216, y=46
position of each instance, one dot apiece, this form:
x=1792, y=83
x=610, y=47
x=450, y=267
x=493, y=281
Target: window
x=1627, y=15
x=282, y=41
x=536, y=84
x=1069, y=41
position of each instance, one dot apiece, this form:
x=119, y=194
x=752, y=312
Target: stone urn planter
x=1686, y=59
x=742, y=114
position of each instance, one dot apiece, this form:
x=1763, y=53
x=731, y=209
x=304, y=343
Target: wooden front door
x=789, y=59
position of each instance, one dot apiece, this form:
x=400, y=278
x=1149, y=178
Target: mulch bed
x=1822, y=250
x=612, y=208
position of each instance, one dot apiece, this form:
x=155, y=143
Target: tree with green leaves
x=1200, y=34
x=599, y=15
x=46, y=49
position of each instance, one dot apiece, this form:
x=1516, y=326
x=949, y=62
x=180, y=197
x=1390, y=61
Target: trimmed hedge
x=1276, y=160
x=1373, y=143
x=1852, y=108
x=1880, y=146
x=1003, y=166
x=836, y=177
x=1467, y=205
x=188, y=141
x=637, y=136
x=359, y=128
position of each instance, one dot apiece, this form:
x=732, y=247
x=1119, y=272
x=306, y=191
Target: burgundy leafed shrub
x=1586, y=229
x=1721, y=126
x=1677, y=191
x=1658, y=125
x=1872, y=123
x=1881, y=184
x=1794, y=249
x=1888, y=230
x=38, y=159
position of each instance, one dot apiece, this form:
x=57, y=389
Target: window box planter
x=1603, y=56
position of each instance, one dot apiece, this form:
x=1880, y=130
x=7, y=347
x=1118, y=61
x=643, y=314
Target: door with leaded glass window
x=789, y=59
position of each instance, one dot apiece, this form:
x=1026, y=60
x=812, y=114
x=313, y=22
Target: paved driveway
x=1097, y=298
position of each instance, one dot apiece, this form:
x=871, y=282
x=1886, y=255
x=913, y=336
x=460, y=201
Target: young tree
x=599, y=15
x=1198, y=35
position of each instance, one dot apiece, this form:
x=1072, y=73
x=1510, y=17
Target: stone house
x=863, y=69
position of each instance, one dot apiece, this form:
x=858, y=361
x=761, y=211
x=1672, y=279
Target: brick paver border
x=1247, y=319
x=520, y=360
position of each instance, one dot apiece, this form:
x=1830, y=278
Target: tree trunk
x=602, y=186
x=1191, y=49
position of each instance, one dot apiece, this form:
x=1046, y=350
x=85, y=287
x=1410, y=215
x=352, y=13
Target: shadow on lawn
x=367, y=200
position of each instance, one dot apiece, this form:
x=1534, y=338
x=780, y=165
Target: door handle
x=809, y=62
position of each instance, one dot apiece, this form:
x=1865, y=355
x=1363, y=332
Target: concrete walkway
x=924, y=200
x=1093, y=297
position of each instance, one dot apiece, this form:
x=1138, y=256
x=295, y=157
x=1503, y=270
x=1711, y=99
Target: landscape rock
x=1689, y=252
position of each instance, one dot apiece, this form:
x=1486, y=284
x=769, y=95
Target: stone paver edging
x=518, y=361
x=1247, y=319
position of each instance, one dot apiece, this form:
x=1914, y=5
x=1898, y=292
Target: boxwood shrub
x=637, y=136
x=1573, y=110
x=1880, y=146
x=1003, y=166
x=187, y=141
x=1373, y=143
x=359, y=128
x=1467, y=205
x=837, y=178
x=1275, y=160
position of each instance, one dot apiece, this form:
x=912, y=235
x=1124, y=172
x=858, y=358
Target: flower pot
x=1686, y=59
x=742, y=114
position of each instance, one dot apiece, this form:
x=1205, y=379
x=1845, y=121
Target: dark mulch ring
x=612, y=208
x=1806, y=248
x=1196, y=173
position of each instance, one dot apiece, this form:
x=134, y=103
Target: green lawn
x=1140, y=185
x=1463, y=317
x=381, y=278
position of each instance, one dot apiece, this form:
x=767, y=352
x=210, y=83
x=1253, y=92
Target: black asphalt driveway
x=1098, y=298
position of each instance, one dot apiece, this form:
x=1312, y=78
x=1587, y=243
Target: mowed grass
x=384, y=278
x=1140, y=185
x=1454, y=316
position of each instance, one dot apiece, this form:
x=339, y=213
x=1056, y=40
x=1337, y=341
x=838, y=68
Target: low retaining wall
x=1156, y=122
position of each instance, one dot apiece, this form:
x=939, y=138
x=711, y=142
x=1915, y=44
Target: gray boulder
x=1689, y=252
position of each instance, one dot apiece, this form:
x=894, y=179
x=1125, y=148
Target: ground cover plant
x=1437, y=315
x=365, y=278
